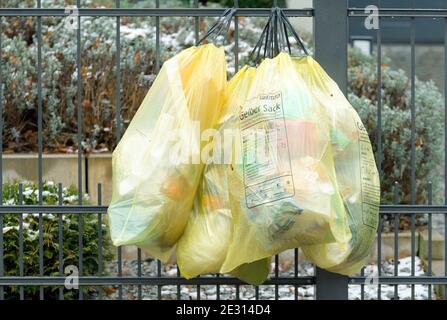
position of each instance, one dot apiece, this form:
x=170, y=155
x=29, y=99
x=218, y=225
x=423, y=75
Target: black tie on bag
x=220, y=27
x=274, y=38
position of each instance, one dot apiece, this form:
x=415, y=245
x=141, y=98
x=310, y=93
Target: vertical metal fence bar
x=2, y=294
x=430, y=238
x=379, y=147
x=236, y=39
x=330, y=286
x=159, y=275
x=445, y=152
x=413, y=111
x=120, y=271
x=295, y=270
x=140, y=288
x=157, y=69
x=276, y=276
x=413, y=147
x=99, y=192
x=413, y=251
x=157, y=39
x=218, y=289
x=379, y=101
x=331, y=47
x=178, y=286
x=196, y=24
x=331, y=51
x=60, y=201
x=362, y=286
x=379, y=256
x=197, y=39
x=79, y=140
x=1, y=158
x=236, y=69
x=118, y=76
x=238, y=294
x=396, y=239
x=39, y=141
x=21, y=269
x=118, y=119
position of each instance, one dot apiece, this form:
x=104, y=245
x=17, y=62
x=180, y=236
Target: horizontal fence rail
x=413, y=280
x=400, y=13
x=149, y=12
x=161, y=281
x=85, y=209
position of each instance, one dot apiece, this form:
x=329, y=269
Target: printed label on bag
x=368, y=175
x=266, y=159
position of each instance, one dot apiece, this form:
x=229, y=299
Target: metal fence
x=331, y=38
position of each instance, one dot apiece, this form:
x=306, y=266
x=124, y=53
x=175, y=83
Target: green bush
x=98, y=85
x=396, y=124
x=70, y=234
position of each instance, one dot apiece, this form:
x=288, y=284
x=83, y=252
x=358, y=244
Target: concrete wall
x=63, y=168
x=100, y=171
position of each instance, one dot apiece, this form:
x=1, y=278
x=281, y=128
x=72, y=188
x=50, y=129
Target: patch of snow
x=27, y=192
x=132, y=33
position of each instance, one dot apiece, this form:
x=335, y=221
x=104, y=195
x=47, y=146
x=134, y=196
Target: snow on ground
x=404, y=292
x=246, y=292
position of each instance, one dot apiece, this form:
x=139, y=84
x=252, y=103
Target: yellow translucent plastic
x=355, y=169
x=154, y=187
x=290, y=198
x=203, y=246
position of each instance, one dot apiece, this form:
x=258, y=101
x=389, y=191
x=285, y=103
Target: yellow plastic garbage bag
x=356, y=172
x=203, y=246
x=282, y=183
x=157, y=166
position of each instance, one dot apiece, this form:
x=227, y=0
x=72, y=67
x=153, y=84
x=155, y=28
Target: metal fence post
x=331, y=36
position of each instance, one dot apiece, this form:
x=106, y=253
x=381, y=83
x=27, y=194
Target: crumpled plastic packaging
x=156, y=165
